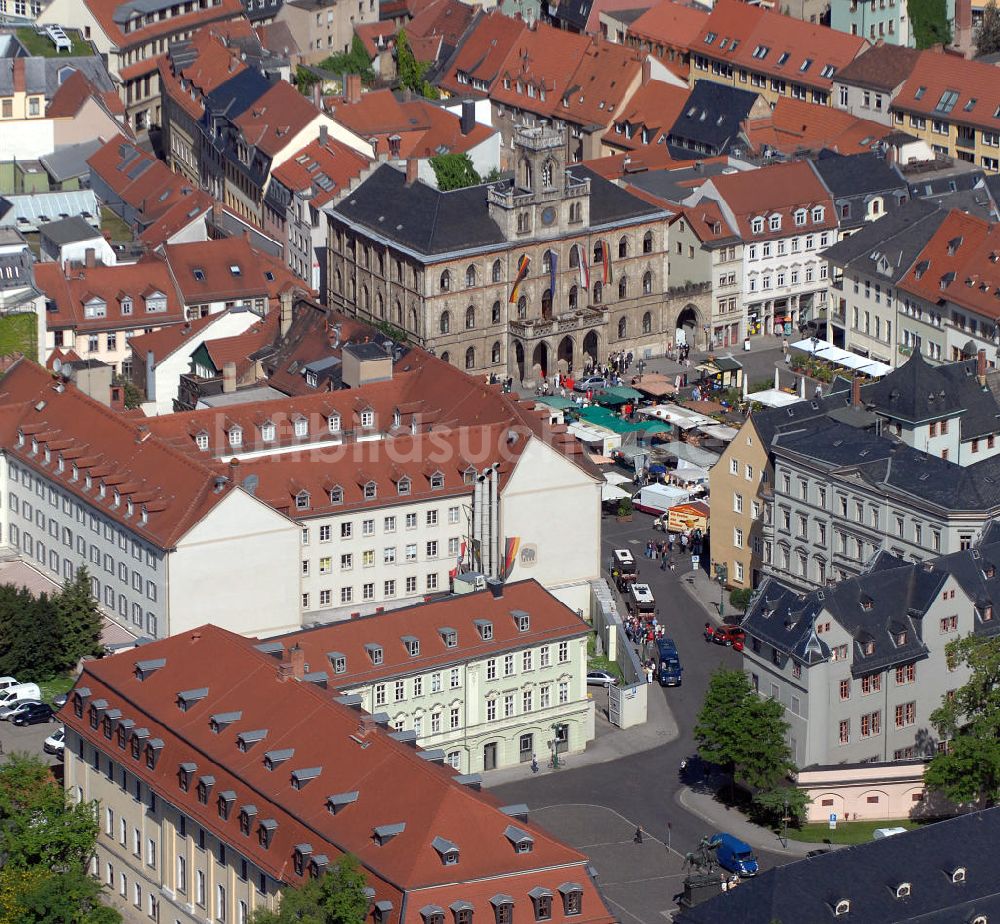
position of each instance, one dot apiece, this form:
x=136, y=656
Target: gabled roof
x=597, y=90
x=276, y=118
x=322, y=169
x=112, y=15
x=670, y=24
x=166, y=341
x=647, y=116
x=858, y=175
x=75, y=91
x=445, y=18
x=949, y=87
x=481, y=54
x=711, y=115
x=882, y=67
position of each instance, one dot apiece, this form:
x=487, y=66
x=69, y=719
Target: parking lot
x=28, y=739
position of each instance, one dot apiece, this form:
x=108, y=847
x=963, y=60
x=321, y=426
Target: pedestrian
x=638, y=835
x=663, y=563
x=534, y=764
x=708, y=632
x=670, y=543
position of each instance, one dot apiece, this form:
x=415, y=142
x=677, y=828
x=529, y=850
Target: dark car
x=731, y=636
x=35, y=715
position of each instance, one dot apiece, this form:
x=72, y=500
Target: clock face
x=548, y=215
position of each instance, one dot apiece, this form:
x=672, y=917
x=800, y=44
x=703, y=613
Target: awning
x=720, y=432
x=611, y=492
x=610, y=399
x=558, y=402
x=773, y=397
x=823, y=350
x=655, y=389
x=616, y=478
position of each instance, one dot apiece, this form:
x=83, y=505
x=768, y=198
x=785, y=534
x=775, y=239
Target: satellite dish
x=57, y=366
x=250, y=484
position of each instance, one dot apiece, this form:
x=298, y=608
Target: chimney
x=352, y=88
x=366, y=725
x=963, y=19
x=285, y=323
x=496, y=587
x=234, y=470
x=293, y=664
x=228, y=378
x=468, y=116
x=324, y=133
x=90, y=258
x=647, y=71
x=856, y=391
x=411, y=171
x=981, y=367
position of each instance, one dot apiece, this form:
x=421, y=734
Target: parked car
x=8, y=712
x=600, y=678
x=734, y=855
x=60, y=701
x=731, y=636
x=588, y=382
x=19, y=692
x=35, y=715
x=6, y=682
x=56, y=742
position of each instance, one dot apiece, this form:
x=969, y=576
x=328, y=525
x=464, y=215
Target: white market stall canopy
x=610, y=492
x=616, y=478
x=823, y=350
x=773, y=397
x=680, y=417
x=720, y=432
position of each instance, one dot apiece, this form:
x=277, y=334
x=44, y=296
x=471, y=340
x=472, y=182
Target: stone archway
x=540, y=360
x=518, y=353
x=564, y=354
x=591, y=346
x=689, y=323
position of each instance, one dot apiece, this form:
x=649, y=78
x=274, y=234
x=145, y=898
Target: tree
x=355, y=61
x=454, y=171
x=739, y=597
x=746, y=735
x=39, y=896
x=930, y=22
x=133, y=396
x=78, y=621
x=411, y=71
x=27, y=630
x=970, y=720
x=336, y=897
x=988, y=33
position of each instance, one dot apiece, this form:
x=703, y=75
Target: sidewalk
x=720, y=818
x=610, y=743
x=705, y=592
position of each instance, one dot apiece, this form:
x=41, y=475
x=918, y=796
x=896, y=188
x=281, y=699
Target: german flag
x=522, y=270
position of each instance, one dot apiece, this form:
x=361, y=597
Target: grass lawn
x=18, y=333
x=52, y=688
x=117, y=228
x=41, y=45
x=849, y=832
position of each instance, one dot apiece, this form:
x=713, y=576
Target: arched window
x=574, y=256
x=497, y=271
x=547, y=174
x=380, y=303
x=623, y=247
x=338, y=282
x=598, y=293
x=573, y=298
x=354, y=290
x=495, y=352
x=547, y=261
x=622, y=328
x=445, y=281
x=413, y=320
x=526, y=174
x=547, y=304
x=623, y=287
x=445, y=358
x=647, y=242
x=647, y=323
x=470, y=358
x=576, y=212
x=470, y=317
x=399, y=312
x=365, y=299
x=445, y=325
x=647, y=283
x=598, y=252
x=470, y=277
x=495, y=313
x=522, y=308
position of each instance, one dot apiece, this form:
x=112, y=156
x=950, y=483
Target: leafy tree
x=27, y=631
x=930, y=22
x=454, y=171
x=336, y=897
x=133, y=397
x=493, y=175
x=739, y=597
x=411, y=71
x=78, y=621
x=970, y=770
x=304, y=79
x=38, y=896
x=988, y=33
x=355, y=61
x=745, y=734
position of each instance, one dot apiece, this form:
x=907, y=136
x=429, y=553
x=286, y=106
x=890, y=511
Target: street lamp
x=784, y=827
x=555, y=743
x=640, y=367
x=721, y=575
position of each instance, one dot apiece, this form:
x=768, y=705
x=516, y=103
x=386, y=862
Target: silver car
x=7, y=713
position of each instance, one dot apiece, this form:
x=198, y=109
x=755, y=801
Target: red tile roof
x=973, y=92
x=775, y=189
x=771, y=43
x=350, y=754
x=74, y=92
x=176, y=490
x=604, y=77
x=239, y=348
x=276, y=117
x=181, y=213
x=796, y=126
x=324, y=169
x=481, y=54
x=371, y=32
x=644, y=157
x=162, y=343
x=654, y=107
x=670, y=24
x=104, y=12
x=707, y=221
x=445, y=18
x=124, y=285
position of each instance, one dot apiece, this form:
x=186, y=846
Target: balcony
x=966, y=137
x=582, y=319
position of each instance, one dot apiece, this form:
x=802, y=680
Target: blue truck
x=668, y=663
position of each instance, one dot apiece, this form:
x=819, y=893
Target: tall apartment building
x=222, y=774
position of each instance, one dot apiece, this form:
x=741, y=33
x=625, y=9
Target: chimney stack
x=468, y=116
x=90, y=257
x=234, y=470
x=324, y=133
x=352, y=88
x=647, y=71
x=496, y=587
x=285, y=322
x=228, y=378
x=981, y=367
x=411, y=171
x=293, y=664
x=856, y=391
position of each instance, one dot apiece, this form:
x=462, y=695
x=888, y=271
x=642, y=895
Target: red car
x=731, y=636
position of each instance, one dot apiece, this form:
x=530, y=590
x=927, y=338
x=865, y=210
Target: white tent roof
x=588, y=433
x=773, y=397
x=613, y=492
x=616, y=478
x=840, y=357
x=720, y=432
x=680, y=417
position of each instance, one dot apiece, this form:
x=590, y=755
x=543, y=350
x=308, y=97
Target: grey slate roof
x=70, y=161
x=68, y=230
x=868, y=875
x=429, y=221
x=898, y=237
x=712, y=115
x=674, y=185
x=858, y=174
x=46, y=75
x=237, y=94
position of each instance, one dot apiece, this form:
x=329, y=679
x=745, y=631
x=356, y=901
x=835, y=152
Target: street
x=597, y=807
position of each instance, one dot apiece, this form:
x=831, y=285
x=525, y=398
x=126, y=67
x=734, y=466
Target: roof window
x=828, y=71
x=919, y=94
x=805, y=65
x=199, y=274
x=205, y=785
x=521, y=840
x=958, y=874
x=382, y=834
x=449, y=636
x=447, y=850
x=235, y=270
x=302, y=852
x=485, y=629
x=374, y=652
x=785, y=55
x=903, y=890
x=265, y=832
x=338, y=660
x=184, y=773
x=521, y=619
x=412, y=645
x=273, y=758
x=246, y=740
x=144, y=669
x=221, y=720
x=842, y=907
x=187, y=698
x=304, y=775
x=339, y=801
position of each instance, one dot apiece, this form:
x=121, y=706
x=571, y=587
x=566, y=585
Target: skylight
x=947, y=101
x=828, y=71
x=235, y=270
x=199, y=274
x=785, y=55
x=920, y=93
x=806, y=65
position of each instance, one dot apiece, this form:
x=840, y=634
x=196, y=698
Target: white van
x=19, y=692
x=640, y=599
x=6, y=682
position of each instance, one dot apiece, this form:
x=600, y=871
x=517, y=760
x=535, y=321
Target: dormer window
x=447, y=850
x=403, y=486
x=88, y=482
x=301, y=426
x=187, y=698
x=374, y=652
x=485, y=629
x=333, y=423
x=339, y=801
x=338, y=660
x=184, y=774
x=318, y=865
x=900, y=638
x=265, y=832
x=989, y=572
x=522, y=620
x=520, y=839
x=273, y=758
x=903, y=890
x=842, y=907
x=126, y=305
x=542, y=900
x=102, y=490
x=267, y=432
x=370, y=490
x=868, y=647
x=437, y=481
x=385, y=833
x=222, y=720
x=205, y=785
x=299, y=858
x=503, y=909
x=987, y=612
x=124, y=728
x=775, y=223
x=757, y=226
x=367, y=419
x=153, y=749
x=304, y=775
x=336, y=495
x=247, y=815
x=235, y=436
x=201, y=441
x=958, y=874
x=449, y=637
x=572, y=896
x=74, y=474
x=225, y=803
x=469, y=475
x=817, y=213
x=129, y=508
x=412, y=645
x=302, y=500
x=246, y=740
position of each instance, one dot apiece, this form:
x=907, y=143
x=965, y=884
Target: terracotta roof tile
x=654, y=107
x=881, y=67
x=480, y=56
x=670, y=24
x=325, y=169
x=604, y=77
x=795, y=126
x=162, y=343
x=276, y=117
x=951, y=88
x=105, y=12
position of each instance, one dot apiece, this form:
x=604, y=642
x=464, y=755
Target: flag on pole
x=584, y=269
x=553, y=267
x=510, y=555
x=522, y=271
x=606, y=254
